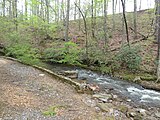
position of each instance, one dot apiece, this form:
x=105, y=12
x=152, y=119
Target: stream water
x=136, y=93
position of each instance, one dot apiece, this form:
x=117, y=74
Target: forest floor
x=29, y=94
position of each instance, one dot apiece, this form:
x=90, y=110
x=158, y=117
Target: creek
x=131, y=91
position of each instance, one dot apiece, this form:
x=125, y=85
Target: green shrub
x=25, y=53
x=128, y=57
x=68, y=53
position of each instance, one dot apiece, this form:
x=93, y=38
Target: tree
x=140, y=4
x=85, y=28
x=67, y=21
x=92, y=18
x=113, y=14
x=158, y=39
x=4, y=7
x=135, y=19
x=156, y=19
x=26, y=9
x=105, y=21
x=125, y=21
x=15, y=13
x=10, y=9
x=75, y=11
x=47, y=10
x=79, y=16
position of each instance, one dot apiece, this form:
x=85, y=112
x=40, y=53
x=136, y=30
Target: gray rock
x=115, y=96
x=129, y=100
x=89, y=102
x=142, y=112
x=105, y=106
x=151, y=118
x=103, y=97
x=132, y=114
x=71, y=74
x=157, y=114
x=137, y=79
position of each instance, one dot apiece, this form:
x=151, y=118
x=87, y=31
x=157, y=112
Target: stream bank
x=143, y=78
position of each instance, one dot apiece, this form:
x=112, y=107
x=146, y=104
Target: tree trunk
x=156, y=19
x=113, y=15
x=105, y=23
x=62, y=11
x=135, y=19
x=125, y=21
x=14, y=12
x=10, y=9
x=26, y=9
x=4, y=7
x=140, y=4
x=158, y=39
x=92, y=18
x=47, y=10
x=86, y=31
x=79, y=16
x=75, y=11
x=67, y=21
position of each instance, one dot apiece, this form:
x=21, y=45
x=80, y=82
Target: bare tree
x=135, y=19
x=4, y=7
x=125, y=21
x=113, y=15
x=67, y=21
x=75, y=11
x=105, y=21
x=92, y=18
x=85, y=27
x=79, y=16
x=158, y=39
x=47, y=10
x=10, y=9
x=26, y=9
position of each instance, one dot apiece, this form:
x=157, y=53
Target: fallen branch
x=144, y=37
x=134, y=42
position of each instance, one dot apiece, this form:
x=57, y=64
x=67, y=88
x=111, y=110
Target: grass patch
x=52, y=111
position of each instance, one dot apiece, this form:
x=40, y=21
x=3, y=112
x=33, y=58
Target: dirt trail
x=27, y=93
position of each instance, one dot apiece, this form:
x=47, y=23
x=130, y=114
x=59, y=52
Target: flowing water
x=134, y=92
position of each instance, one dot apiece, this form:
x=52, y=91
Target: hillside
x=50, y=45
x=145, y=41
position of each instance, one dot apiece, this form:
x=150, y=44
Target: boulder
x=71, y=74
x=132, y=114
x=93, y=87
x=143, y=112
x=106, y=107
x=157, y=114
x=123, y=108
x=137, y=79
x=103, y=97
x=151, y=118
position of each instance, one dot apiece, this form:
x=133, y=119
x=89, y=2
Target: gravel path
x=29, y=94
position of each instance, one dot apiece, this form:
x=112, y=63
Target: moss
x=2, y=106
x=125, y=75
x=123, y=108
x=148, y=77
x=52, y=111
x=110, y=118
